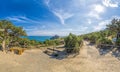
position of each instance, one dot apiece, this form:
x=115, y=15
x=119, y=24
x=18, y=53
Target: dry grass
x=17, y=50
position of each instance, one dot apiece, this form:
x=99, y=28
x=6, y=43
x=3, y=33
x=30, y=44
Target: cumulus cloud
x=109, y=3
x=96, y=10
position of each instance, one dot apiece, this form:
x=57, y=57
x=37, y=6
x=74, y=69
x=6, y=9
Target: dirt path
x=94, y=62
x=89, y=60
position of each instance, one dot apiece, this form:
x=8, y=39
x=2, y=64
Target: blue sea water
x=39, y=38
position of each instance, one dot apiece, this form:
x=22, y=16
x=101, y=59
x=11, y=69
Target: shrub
x=104, y=41
x=118, y=42
x=72, y=43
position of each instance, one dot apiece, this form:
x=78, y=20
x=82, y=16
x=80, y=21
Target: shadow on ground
x=114, y=51
x=55, y=53
x=105, y=50
x=59, y=53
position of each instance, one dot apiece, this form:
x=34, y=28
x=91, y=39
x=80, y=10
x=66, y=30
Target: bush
x=53, y=42
x=49, y=42
x=118, y=42
x=104, y=41
x=72, y=43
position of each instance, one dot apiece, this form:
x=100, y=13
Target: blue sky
x=50, y=17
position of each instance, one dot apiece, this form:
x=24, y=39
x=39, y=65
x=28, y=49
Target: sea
x=38, y=38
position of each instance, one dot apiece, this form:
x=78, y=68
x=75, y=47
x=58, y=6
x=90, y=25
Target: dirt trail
x=89, y=60
x=94, y=62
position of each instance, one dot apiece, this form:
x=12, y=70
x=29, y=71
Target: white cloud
x=96, y=10
x=62, y=32
x=109, y=3
x=16, y=18
x=89, y=21
x=62, y=15
x=22, y=19
x=101, y=25
x=51, y=33
x=48, y=33
x=117, y=17
x=94, y=15
x=99, y=8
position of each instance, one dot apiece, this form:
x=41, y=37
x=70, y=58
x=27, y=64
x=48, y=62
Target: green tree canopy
x=114, y=26
x=9, y=33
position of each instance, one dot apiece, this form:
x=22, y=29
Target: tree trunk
x=3, y=46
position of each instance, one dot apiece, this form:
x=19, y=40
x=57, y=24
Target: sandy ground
x=35, y=60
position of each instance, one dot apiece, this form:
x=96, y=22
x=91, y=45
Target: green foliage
x=49, y=42
x=52, y=42
x=114, y=26
x=72, y=43
x=76, y=48
x=24, y=42
x=118, y=42
x=9, y=33
x=99, y=37
x=34, y=42
x=103, y=40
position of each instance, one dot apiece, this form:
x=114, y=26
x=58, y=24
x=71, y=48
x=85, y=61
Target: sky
x=61, y=17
